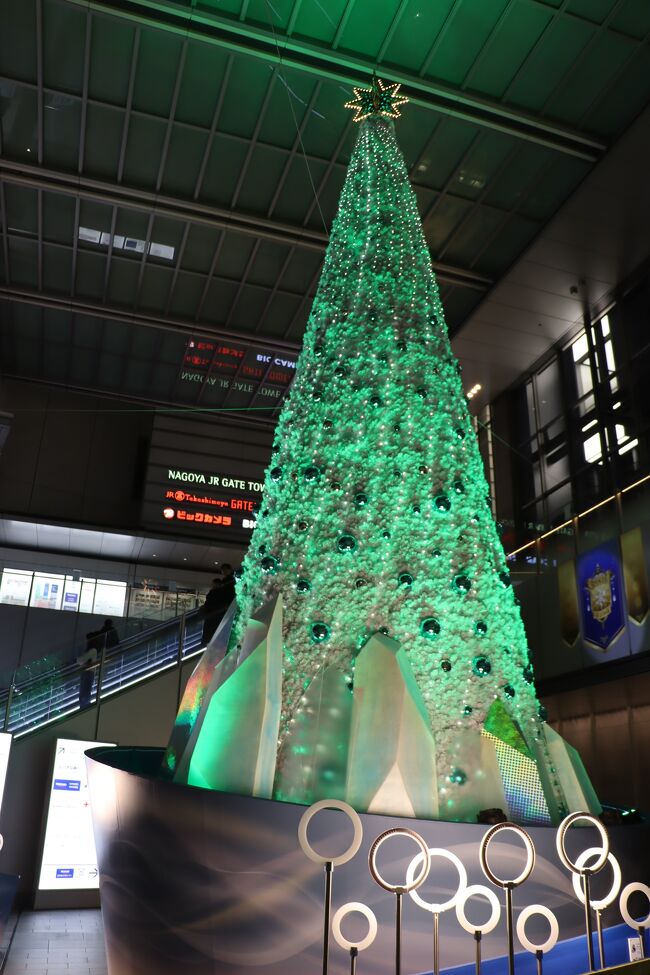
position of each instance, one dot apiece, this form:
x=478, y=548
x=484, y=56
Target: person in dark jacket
x=89, y=661
x=217, y=601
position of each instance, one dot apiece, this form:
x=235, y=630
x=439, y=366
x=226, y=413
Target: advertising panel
x=69, y=860
x=15, y=587
x=47, y=591
x=5, y=749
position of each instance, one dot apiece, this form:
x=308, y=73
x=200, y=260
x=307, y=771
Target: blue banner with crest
x=600, y=595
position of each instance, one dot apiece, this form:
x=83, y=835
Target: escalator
x=31, y=701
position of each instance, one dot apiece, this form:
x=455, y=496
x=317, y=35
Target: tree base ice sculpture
x=377, y=652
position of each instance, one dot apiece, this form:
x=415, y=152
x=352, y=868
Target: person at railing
x=217, y=601
x=89, y=661
x=108, y=631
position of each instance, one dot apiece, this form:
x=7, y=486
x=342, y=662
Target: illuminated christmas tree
x=378, y=654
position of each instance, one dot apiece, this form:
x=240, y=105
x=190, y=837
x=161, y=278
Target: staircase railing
x=29, y=702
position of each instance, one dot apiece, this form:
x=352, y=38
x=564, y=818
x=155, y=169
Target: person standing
x=217, y=601
x=88, y=662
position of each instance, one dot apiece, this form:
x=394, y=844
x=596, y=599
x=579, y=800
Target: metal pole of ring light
x=437, y=908
x=584, y=872
x=508, y=885
x=598, y=905
x=478, y=930
x=399, y=889
x=551, y=941
x=329, y=862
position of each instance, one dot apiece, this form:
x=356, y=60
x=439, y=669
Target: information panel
x=204, y=479
x=5, y=748
x=69, y=860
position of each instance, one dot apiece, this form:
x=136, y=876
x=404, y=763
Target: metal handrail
x=45, y=697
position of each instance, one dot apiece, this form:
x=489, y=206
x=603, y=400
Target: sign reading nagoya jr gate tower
x=204, y=479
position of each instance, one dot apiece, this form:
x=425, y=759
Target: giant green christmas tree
x=378, y=652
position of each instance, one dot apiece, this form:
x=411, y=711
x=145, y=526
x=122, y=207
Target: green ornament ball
x=480, y=628
x=430, y=627
x=303, y=586
x=346, y=543
x=445, y=665
x=276, y=473
x=269, y=565
x=405, y=580
x=319, y=632
x=467, y=710
x=360, y=500
x=442, y=503
x=422, y=392
x=462, y=583
x=509, y=690
x=311, y=473
x=458, y=487
x=481, y=666
x=457, y=776
x=375, y=401
x=505, y=580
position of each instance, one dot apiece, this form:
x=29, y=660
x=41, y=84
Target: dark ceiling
x=169, y=171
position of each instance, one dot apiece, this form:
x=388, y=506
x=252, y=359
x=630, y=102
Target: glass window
x=87, y=597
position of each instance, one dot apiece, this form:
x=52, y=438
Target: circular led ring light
x=354, y=907
x=308, y=849
x=478, y=890
x=616, y=880
x=625, y=914
x=462, y=880
x=551, y=941
x=563, y=829
x=530, y=855
x=424, y=852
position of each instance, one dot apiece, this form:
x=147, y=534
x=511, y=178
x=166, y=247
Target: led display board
x=204, y=479
x=69, y=860
x=226, y=373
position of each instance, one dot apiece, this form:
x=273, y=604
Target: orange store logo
x=202, y=517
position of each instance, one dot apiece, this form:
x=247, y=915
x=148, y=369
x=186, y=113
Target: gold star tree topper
x=380, y=99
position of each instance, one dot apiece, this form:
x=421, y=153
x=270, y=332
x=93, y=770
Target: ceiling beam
x=192, y=211
x=95, y=309
x=235, y=35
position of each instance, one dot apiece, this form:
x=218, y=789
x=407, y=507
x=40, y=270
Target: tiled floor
x=58, y=943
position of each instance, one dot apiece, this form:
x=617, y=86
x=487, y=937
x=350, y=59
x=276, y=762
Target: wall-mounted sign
x=204, y=479
x=69, y=860
x=600, y=594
